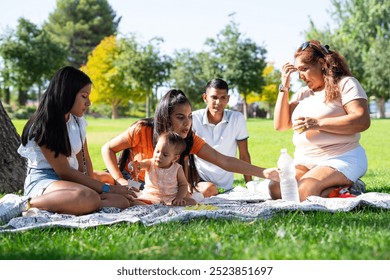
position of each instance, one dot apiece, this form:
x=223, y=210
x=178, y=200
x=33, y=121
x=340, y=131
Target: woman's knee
x=86, y=200
x=76, y=200
x=274, y=190
x=308, y=187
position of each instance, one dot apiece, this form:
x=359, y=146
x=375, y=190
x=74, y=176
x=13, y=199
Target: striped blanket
x=241, y=203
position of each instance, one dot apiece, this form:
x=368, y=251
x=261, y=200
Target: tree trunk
x=245, y=107
x=7, y=95
x=147, y=105
x=114, y=113
x=380, y=104
x=22, y=98
x=12, y=165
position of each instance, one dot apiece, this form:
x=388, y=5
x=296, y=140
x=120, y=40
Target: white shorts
x=353, y=164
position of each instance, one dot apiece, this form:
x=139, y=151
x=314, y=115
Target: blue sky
x=275, y=24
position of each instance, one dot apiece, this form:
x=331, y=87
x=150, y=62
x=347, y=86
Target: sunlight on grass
x=361, y=234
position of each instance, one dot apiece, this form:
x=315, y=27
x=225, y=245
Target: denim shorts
x=353, y=164
x=38, y=180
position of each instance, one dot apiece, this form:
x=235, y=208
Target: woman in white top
x=60, y=175
x=327, y=117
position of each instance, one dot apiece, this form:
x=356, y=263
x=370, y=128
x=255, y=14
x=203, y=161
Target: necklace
x=82, y=147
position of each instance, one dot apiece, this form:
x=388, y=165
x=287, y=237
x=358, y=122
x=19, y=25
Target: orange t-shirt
x=140, y=139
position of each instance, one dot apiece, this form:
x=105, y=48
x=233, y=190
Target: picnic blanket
x=243, y=203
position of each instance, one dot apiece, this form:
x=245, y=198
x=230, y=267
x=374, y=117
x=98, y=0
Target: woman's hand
x=302, y=124
x=287, y=70
x=271, y=174
x=129, y=193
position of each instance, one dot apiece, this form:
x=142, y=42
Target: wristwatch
x=283, y=88
x=106, y=188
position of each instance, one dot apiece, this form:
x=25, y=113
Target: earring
x=323, y=69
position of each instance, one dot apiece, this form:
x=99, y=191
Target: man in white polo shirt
x=224, y=130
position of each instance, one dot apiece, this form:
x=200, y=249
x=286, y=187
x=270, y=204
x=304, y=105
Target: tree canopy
x=242, y=60
x=108, y=86
x=362, y=35
x=80, y=25
x=30, y=58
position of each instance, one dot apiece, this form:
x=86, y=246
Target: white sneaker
x=11, y=206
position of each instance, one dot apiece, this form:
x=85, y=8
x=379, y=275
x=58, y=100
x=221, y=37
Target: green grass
x=362, y=234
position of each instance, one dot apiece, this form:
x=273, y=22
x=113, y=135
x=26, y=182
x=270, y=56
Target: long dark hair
x=334, y=68
x=161, y=123
x=47, y=125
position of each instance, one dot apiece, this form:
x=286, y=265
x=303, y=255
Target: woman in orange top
x=174, y=113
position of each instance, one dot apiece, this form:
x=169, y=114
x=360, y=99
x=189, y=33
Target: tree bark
x=7, y=95
x=380, y=105
x=12, y=165
x=22, y=98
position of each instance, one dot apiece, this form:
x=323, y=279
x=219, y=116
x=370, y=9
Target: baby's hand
x=178, y=201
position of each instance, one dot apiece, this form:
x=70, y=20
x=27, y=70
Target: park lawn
x=361, y=234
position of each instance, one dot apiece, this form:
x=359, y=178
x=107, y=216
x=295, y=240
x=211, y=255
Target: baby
x=165, y=181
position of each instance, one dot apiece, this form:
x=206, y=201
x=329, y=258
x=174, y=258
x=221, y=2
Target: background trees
x=144, y=68
x=126, y=70
x=123, y=70
x=191, y=72
x=242, y=60
x=30, y=58
x=79, y=26
x=108, y=86
x=362, y=35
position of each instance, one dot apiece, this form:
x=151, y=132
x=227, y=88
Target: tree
x=30, y=58
x=13, y=166
x=108, y=80
x=242, y=60
x=80, y=25
x=362, y=37
x=5, y=82
x=192, y=71
x=269, y=93
x=378, y=76
x=144, y=67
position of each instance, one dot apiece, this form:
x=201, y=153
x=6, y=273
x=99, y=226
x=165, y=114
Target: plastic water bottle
x=288, y=183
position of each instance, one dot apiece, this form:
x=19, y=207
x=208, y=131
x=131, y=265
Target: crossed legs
x=319, y=181
x=72, y=198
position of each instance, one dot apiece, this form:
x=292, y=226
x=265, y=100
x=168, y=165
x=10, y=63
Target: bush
x=24, y=113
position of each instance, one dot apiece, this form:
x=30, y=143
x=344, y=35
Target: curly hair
x=334, y=68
